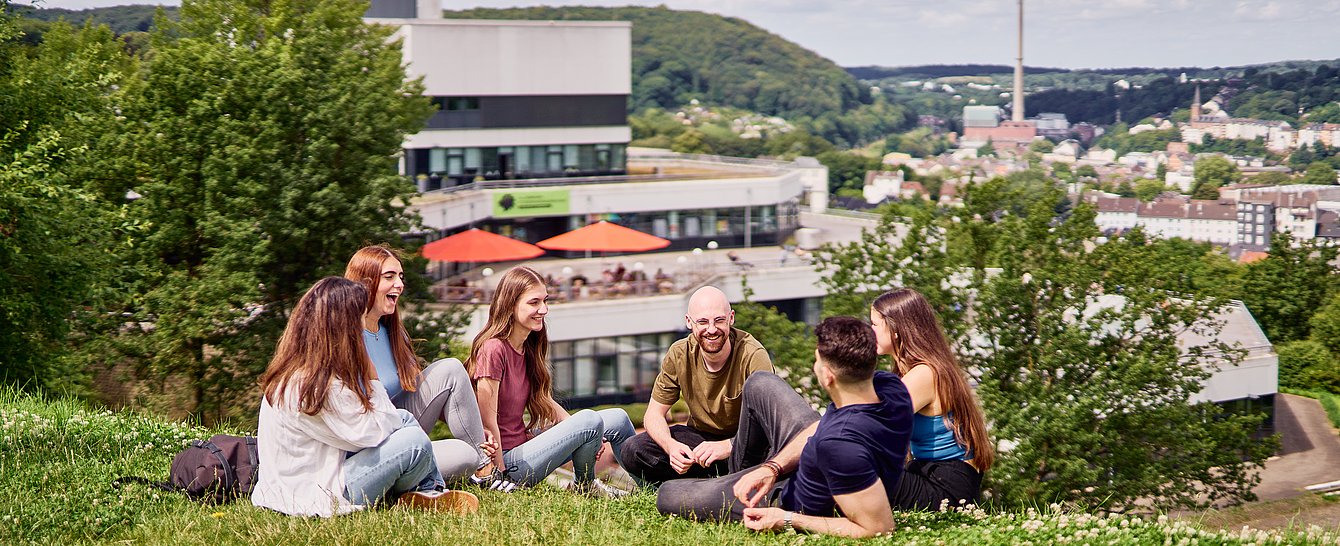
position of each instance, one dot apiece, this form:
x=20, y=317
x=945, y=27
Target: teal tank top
x=933, y=441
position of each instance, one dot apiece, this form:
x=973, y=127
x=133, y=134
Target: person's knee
x=588, y=420
x=616, y=420
x=634, y=452
x=764, y=382
x=452, y=367
x=455, y=459
x=445, y=371
x=670, y=498
x=412, y=441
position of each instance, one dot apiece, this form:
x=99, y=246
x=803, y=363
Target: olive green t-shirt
x=713, y=397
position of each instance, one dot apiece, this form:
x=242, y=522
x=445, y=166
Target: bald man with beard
x=707, y=370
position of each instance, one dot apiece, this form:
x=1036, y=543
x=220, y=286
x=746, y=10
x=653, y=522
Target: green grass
x=58, y=458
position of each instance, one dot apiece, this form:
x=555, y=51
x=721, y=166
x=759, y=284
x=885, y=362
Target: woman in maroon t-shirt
x=509, y=364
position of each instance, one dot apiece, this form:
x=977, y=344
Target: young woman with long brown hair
x=329, y=440
x=440, y=392
x=950, y=446
x=510, y=366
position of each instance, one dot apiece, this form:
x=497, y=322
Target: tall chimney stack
x=1018, y=111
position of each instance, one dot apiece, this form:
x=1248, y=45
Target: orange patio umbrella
x=603, y=236
x=477, y=245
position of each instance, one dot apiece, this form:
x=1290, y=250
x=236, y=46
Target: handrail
x=584, y=181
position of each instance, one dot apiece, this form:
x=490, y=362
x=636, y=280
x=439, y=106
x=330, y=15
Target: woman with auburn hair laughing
x=440, y=392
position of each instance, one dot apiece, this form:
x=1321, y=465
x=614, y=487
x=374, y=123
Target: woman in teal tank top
x=949, y=446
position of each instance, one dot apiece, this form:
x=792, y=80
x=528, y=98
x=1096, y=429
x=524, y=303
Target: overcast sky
x=1059, y=33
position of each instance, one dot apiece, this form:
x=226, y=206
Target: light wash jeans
x=576, y=439
x=403, y=462
x=444, y=393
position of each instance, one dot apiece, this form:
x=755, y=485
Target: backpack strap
x=229, y=474
x=165, y=486
x=254, y=451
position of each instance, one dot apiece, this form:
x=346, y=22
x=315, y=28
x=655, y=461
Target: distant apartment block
x=1244, y=217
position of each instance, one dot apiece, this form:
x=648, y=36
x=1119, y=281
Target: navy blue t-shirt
x=853, y=446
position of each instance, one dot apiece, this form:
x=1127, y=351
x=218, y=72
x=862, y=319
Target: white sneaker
x=598, y=489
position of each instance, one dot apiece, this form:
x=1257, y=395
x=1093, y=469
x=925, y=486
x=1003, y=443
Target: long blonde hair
x=321, y=343
x=366, y=267
x=918, y=339
x=514, y=284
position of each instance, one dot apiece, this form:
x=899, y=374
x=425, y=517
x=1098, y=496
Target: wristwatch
x=786, y=522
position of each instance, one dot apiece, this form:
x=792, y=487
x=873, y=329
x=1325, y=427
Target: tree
x=1087, y=171
x=790, y=343
x=1319, y=172
x=1147, y=189
x=1326, y=325
x=1082, y=375
x=56, y=240
x=1272, y=178
x=1212, y=173
x=986, y=150
x=847, y=169
x=1074, y=345
x=1307, y=364
x=1288, y=286
x=263, y=138
x=1326, y=113
x=690, y=141
x=1061, y=171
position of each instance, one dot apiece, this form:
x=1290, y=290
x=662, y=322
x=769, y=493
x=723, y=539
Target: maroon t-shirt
x=500, y=362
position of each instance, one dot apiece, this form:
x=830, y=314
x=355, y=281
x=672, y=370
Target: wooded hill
x=121, y=19
x=683, y=55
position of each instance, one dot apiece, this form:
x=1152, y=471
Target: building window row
x=437, y=168
x=622, y=364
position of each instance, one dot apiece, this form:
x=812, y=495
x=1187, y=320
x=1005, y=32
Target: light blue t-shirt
x=379, y=350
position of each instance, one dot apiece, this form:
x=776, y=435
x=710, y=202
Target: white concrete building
x=517, y=99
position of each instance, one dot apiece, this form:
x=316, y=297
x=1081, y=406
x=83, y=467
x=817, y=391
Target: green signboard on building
x=520, y=203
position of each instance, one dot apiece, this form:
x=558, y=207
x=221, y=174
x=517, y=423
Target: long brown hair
x=321, y=343
x=366, y=267
x=918, y=339
x=514, y=284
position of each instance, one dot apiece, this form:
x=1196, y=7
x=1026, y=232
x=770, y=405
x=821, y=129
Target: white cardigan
x=302, y=456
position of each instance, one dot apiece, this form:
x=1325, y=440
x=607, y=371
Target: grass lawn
x=58, y=459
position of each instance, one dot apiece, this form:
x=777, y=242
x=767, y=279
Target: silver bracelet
x=786, y=523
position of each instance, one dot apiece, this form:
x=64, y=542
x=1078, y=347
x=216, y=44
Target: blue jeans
x=576, y=439
x=403, y=462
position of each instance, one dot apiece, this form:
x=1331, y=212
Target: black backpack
x=214, y=471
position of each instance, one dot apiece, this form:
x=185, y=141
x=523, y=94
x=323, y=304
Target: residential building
x=1291, y=209
x=1168, y=216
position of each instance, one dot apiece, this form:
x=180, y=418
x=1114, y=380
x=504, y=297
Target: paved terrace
x=680, y=270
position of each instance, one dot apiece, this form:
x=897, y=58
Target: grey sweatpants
x=444, y=393
x=771, y=414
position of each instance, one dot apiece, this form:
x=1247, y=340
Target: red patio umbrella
x=477, y=245
x=603, y=236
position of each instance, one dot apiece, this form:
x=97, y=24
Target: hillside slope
x=683, y=55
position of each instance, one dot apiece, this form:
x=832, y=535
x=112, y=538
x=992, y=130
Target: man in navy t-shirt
x=846, y=465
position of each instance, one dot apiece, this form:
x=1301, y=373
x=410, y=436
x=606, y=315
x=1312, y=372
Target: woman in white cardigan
x=330, y=441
